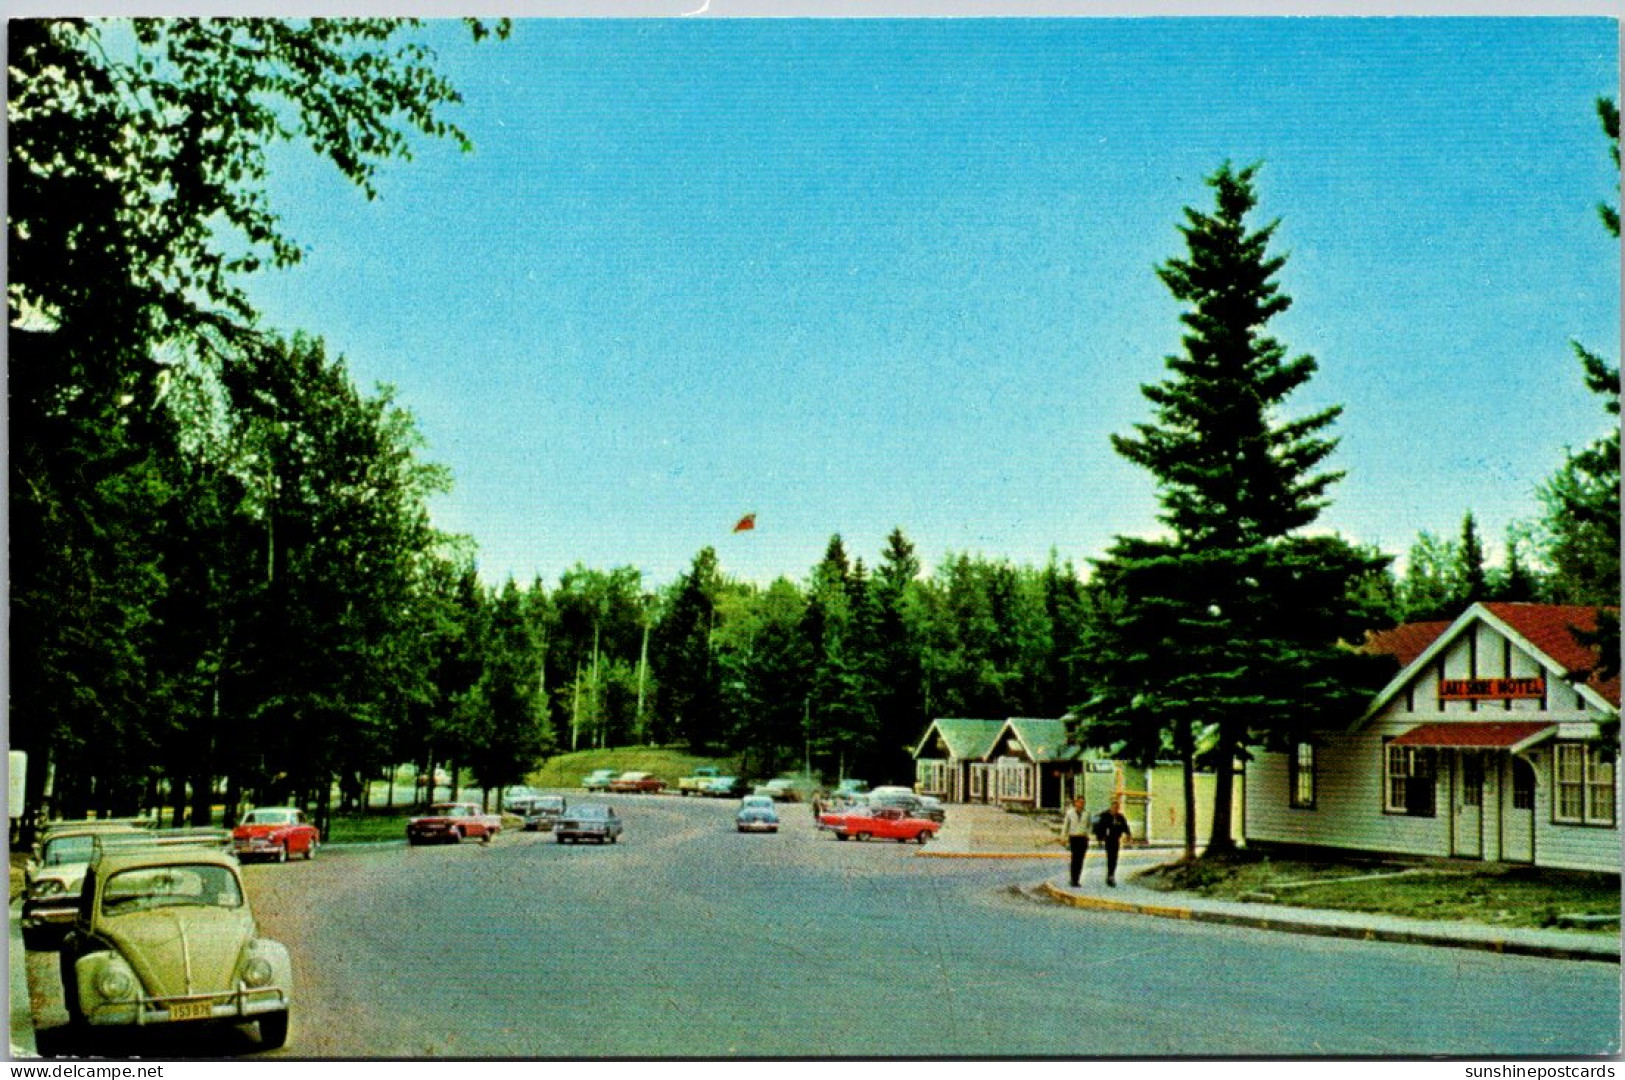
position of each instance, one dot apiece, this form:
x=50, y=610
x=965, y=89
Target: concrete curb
x=989, y=855
x=22, y=1011
x=1287, y=924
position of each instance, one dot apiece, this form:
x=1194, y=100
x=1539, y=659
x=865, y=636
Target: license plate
x=191, y=1010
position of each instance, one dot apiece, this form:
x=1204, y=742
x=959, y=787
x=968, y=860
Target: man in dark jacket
x=1110, y=829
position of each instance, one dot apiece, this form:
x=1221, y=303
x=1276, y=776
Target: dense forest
x=227, y=588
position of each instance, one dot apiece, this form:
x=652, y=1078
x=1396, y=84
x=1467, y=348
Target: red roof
x=1405, y=643
x=1551, y=629
x=1548, y=627
x=1472, y=735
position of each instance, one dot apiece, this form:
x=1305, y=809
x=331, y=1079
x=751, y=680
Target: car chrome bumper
x=241, y=1004
x=49, y=913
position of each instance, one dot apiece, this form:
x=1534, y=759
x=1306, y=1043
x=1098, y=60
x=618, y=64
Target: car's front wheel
x=274, y=1030
x=282, y=852
x=861, y=836
x=925, y=834
x=310, y=850
x=455, y=836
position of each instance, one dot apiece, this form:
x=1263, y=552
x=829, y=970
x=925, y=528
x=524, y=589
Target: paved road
x=687, y=939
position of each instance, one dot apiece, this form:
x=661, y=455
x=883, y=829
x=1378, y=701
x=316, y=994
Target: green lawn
x=668, y=763
x=1498, y=896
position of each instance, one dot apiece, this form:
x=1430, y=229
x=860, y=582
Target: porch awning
x=1473, y=735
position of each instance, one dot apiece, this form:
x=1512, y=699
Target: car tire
x=615, y=839
x=924, y=835
x=860, y=836
x=840, y=836
x=455, y=836
x=310, y=850
x=274, y=1030
x=282, y=852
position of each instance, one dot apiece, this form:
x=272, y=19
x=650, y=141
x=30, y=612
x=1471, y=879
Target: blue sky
x=857, y=274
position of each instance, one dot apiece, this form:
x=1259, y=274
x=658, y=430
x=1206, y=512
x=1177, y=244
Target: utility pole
x=643, y=670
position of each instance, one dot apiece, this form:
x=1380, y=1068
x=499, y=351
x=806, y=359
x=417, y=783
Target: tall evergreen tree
x=1473, y=582
x=1251, y=613
x=681, y=648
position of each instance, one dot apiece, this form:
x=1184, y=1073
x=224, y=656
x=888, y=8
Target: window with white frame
x=1301, y=776
x=1584, y=782
x=1015, y=780
x=932, y=776
x=1408, y=780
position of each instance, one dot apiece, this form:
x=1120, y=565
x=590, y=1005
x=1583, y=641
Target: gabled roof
x=1551, y=629
x=968, y=740
x=1045, y=740
x=1545, y=631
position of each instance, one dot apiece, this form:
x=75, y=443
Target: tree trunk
x=1222, y=841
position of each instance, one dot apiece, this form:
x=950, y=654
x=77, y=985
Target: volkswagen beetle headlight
x=115, y=984
x=257, y=972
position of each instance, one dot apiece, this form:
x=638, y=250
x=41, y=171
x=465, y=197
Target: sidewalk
x=990, y=833
x=22, y=1014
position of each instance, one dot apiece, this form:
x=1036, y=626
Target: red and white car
x=448, y=823
x=637, y=783
x=275, y=832
x=880, y=822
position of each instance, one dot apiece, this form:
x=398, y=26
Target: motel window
x=1409, y=780
x=1523, y=785
x=1301, y=781
x=1472, y=779
x=1584, y=784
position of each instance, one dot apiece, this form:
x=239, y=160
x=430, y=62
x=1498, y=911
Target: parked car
x=599, y=779
x=725, y=787
x=911, y=804
x=696, y=784
x=275, y=832
x=757, y=814
x=637, y=783
x=931, y=809
x=164, y=935
x=882, y=822
x=850, y=787
x=449, y=823
x=516, y=797
x=541, y=812
x=788, y=789
x=52, y=877
x=589, y=821
x=891, y=789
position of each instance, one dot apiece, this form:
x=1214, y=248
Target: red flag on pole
x=746, y=523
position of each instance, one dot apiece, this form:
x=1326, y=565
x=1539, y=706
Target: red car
x=883, y=822
x=275, y=832
x=637, y=783
x=448, y=823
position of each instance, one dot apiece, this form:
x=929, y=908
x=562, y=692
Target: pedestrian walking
x=1110, y=829
x=1075, y=827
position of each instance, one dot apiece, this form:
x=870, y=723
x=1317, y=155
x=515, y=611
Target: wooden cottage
x=1022, y=761
x=1496, y=741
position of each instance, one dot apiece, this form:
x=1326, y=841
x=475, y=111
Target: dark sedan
x=589, y=821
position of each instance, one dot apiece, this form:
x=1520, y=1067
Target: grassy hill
x=669, y=763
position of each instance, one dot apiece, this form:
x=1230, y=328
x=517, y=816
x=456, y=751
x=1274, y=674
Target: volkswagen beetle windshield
x=186, y=885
